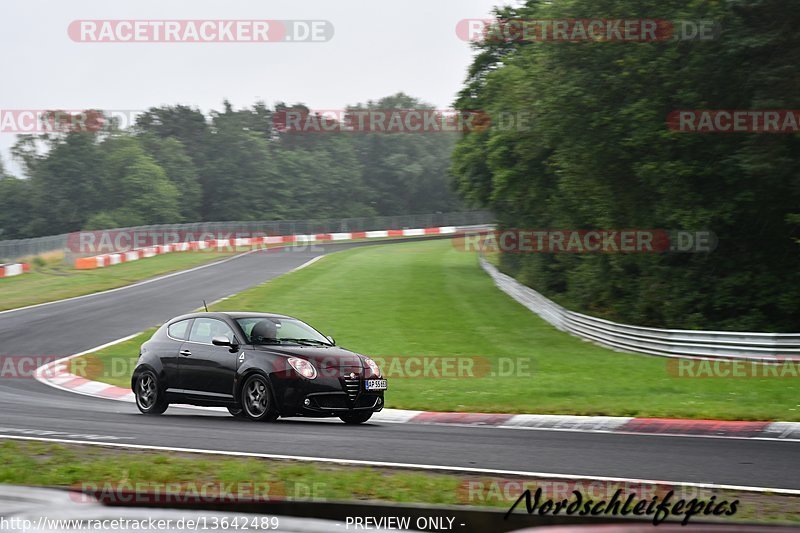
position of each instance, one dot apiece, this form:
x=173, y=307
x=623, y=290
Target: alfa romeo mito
x=260, y=366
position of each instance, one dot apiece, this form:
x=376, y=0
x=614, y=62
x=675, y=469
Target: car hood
x=322, y=357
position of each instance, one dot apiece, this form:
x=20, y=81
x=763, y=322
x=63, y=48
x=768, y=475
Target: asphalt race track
x=28, y=407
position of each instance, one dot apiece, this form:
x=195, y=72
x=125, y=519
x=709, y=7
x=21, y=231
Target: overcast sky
x=379, y=48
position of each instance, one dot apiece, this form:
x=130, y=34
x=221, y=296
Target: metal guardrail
x=16, y=249
x=653, y=341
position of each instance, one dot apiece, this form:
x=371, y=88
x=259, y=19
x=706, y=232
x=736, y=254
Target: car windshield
x=261, y=330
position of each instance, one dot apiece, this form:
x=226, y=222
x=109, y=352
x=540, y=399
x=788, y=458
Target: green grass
x=52, y=279
x=55, y=280
x=45, y=464
x=428, y=299
x=113, y=471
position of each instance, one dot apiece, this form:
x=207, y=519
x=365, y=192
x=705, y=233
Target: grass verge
x=51, y=279
x=185, y=475
x=54, y=280
x=424, y=301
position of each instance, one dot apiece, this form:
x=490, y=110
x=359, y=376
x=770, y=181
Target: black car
x=258, y=365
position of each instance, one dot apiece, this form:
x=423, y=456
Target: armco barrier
x=15, y=269
x=100, y=261
x=653, y=341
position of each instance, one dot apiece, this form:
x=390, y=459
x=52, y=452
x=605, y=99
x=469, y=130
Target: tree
x=239, y=183
x=14, y=205
x=67, y=183
x=190, y=127
x=137, y=190
x=170, y=154
x=405, y=173
x=177, y=164
x=600, y=156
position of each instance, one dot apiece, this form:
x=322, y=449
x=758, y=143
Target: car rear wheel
x=149, y=398
x=257, y=403
x=356, y=418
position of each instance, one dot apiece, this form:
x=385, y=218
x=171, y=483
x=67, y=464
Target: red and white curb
x=105, y=260
x=56, y=374
x=15, y=269
x=60, y=377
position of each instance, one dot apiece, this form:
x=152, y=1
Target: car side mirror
x=331, y=339
x=222, y=340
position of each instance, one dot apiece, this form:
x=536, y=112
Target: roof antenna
x=204, y=305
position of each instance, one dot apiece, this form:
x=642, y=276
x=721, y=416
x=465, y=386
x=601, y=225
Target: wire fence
x=22, y=248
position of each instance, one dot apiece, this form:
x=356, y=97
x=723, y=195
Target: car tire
x=256, y=399
x=237, y=411
x=356, y=418
x=150, y=399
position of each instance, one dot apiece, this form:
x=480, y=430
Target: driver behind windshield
x=264, y=332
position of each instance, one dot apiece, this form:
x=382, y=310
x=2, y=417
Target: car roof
x=229, y=314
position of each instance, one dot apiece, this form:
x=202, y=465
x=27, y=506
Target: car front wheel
x=149, y=398
x=236, y=411
x=257, y=402
x=356, y=418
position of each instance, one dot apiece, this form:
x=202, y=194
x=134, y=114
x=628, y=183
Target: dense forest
x=178, y=165
x=599, y=154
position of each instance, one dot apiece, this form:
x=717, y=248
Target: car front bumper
x=326, y=396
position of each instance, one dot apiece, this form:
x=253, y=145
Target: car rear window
x=179, y=330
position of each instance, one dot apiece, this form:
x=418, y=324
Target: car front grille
x=325, y=401
x=351, y=387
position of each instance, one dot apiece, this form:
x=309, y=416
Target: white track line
x=307, y=263
x=415, y=466
x=126, y=287
x=179, y=273
x=635, y=433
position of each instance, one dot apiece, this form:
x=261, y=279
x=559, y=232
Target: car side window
x=205, y=329
x=179, y=330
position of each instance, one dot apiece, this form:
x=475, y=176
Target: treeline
x=600, y=155
x=177, y=165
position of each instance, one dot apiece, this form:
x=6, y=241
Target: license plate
x=376, y=384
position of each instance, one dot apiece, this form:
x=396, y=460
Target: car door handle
x=185, y=353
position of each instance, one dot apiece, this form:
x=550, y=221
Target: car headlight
x=303, y=367
x=373, y=367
